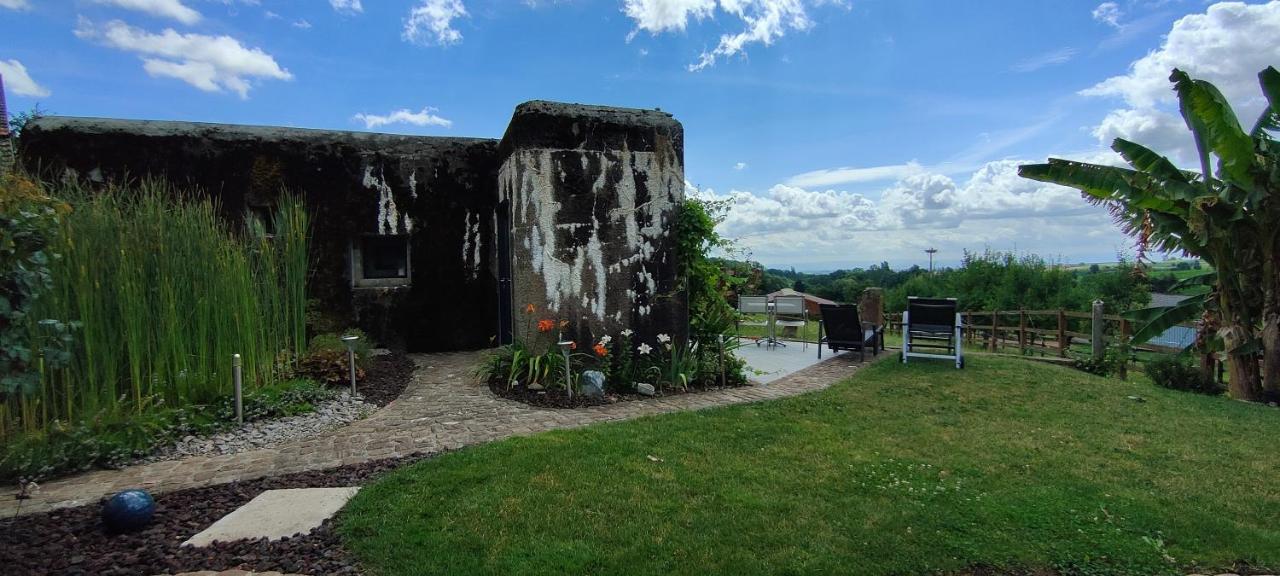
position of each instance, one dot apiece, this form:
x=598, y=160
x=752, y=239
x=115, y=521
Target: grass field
x=916, y=469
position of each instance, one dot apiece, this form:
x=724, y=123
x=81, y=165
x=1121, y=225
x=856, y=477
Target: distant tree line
x=990, y=280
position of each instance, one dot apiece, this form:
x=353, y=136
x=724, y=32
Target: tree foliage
x=1229, y=217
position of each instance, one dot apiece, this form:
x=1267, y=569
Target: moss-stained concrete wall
x=441, y=192
x=593, y=194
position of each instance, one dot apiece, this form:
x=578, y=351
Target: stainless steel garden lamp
x=350, y=341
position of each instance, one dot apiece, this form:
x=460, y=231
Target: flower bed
x=545, y=367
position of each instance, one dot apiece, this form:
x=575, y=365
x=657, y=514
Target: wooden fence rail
x=1050, y=331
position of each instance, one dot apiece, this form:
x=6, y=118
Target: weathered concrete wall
x=439, y=191
x=593, y=194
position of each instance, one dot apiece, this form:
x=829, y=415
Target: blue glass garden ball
x=129, y=510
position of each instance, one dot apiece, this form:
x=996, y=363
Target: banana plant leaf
x=1154, y=321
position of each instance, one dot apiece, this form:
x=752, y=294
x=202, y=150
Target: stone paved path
x=443, y=408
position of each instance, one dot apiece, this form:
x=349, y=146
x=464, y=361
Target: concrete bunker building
x=437, y=243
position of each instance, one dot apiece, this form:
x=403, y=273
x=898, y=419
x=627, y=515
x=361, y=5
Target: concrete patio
x=768, y=363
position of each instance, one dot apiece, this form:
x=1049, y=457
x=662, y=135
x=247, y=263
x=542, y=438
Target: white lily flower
x=627, y=332
x=663, y=338
x=606, y=340
x=644, y=349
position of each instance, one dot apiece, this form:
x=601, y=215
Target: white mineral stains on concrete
x=471, y=243
x=527, y=180
x=389, y=220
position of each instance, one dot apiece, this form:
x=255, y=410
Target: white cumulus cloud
x=764, y=21
x=431, y=22
x=18, y=81
x=15, y=4
x=740, y=166
x=1108, y=13
x=994, y=206
x=1227, y=45
x=424, y=117
x=347, y=6
x=210, y=63
x=171, y=9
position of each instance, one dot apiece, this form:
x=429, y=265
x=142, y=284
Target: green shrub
x=329, y=366
x=516, y=364
x=333, y=341
x=159, y=292
x=1108, y=365
x=110, y=440
x=1178, y=373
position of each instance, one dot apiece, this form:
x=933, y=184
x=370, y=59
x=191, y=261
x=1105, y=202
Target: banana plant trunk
x=1245, y=378
x=1271, y=351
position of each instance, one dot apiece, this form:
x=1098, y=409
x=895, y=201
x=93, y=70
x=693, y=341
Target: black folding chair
x=841, y=329
x=932, y=324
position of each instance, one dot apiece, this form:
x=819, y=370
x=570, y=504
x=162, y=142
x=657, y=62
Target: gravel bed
x=329, y=415
x=388, y=375
x=73, y=541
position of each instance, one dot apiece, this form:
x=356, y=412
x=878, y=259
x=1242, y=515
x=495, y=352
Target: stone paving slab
x=443, y=408
x=276, y=514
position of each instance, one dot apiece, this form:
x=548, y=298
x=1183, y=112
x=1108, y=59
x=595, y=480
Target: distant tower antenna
x=931, y=252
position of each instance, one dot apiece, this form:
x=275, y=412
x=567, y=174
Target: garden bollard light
x=568, y=383
x=350, y=341
x=238, y=381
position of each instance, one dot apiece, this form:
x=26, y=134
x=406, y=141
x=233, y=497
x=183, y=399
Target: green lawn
x=916, y=469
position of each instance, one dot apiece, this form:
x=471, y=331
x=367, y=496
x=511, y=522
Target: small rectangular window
x=381, y=261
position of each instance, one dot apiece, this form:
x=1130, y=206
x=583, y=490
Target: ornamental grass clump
x=162, y=291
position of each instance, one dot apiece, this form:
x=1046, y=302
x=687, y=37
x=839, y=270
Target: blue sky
x=846, y=132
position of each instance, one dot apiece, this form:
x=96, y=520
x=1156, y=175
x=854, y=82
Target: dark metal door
x=504, y=272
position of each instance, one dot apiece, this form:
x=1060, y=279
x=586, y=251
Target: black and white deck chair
x=841, y=329
x=931, y=328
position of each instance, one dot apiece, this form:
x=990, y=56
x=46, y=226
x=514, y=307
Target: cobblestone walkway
x=443, y=408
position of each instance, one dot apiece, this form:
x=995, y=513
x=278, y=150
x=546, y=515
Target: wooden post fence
x=995, y=329
x=1022, y=331
x=1035, y=328
x=1063, y=342
x=1099, y=344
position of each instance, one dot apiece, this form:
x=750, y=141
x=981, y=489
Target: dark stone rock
x=591, y=384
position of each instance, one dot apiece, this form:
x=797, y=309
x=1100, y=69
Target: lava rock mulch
x=386, y=378
x=73, y=541
x=557, y=398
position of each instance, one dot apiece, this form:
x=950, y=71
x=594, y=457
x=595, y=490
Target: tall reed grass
x=164, y=292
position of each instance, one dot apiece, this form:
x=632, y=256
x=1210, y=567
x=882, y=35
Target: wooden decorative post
x=1063, y=343
x=871, y=306
x=1022, y=331
x=995, y=328
x=1098, y=340
x=1124, y=349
